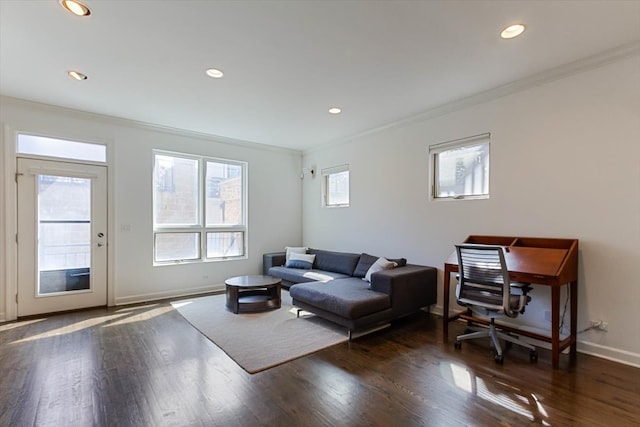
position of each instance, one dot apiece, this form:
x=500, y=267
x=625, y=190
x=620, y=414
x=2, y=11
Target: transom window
x=335, y=185
x=460, y=168
x=61, y=148
x=199, y=208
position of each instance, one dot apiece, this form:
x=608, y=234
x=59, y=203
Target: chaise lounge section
x=357, y=291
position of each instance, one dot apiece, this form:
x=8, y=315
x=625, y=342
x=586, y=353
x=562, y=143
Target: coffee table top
x=252, y=281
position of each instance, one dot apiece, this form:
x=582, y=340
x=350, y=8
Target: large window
x=460, y=169
x=199, y=208
x=335, y=183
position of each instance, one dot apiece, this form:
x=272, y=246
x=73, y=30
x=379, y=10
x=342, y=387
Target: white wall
x=274, y=198
x=565, y=162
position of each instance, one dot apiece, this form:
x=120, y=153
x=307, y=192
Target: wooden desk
x=542, y=261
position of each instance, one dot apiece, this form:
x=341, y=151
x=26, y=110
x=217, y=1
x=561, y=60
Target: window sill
x=460, y=198
x=198, y=261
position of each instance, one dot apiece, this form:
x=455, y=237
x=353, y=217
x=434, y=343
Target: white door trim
x=10, y=261
x=8, y=194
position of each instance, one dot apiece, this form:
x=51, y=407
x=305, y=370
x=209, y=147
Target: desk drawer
x=533, y=278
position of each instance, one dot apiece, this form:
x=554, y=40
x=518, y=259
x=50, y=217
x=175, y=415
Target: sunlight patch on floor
x=69, y=329
x=294, y=311
x=179, y=304
x=509, y=397
x=141, y=316
x=136, y=308
x=18, y=324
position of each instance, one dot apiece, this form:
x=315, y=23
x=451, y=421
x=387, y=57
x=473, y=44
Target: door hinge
x=16, y=238
x=16, y=298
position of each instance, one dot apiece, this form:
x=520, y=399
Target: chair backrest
x=484, y=279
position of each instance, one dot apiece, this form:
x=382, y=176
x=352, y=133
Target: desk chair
x=485, y=288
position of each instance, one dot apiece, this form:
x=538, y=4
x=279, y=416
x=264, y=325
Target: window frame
x=436, y=149
x=326, y=174
x=201, y=227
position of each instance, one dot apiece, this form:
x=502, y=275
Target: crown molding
x=119, y=121
x=557, y=73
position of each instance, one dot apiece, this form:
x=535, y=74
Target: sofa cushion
x=400, y=262
x=364, y=264
x=294, y=249
x=295, y=275
x=338, y=262
x=298, y=260
x=350, y=298
x=380, y=264
x=366, y=261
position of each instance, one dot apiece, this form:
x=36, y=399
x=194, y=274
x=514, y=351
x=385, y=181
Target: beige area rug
x=259, y=341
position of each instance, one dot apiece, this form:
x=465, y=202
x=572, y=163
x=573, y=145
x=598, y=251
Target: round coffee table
x=246, y=294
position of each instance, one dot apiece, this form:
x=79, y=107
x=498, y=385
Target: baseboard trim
x=154, y=296
x=3, y=318
x=586, y=347
x=609, y=353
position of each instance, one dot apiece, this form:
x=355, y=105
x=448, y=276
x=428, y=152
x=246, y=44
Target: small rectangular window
x=335, y=182
x=460, y=168
x=177, y=246
x=225, y=244
x=61, y=148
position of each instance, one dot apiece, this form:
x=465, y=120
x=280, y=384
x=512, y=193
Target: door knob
x=100, y=244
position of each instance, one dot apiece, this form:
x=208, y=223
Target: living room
x=564, y=163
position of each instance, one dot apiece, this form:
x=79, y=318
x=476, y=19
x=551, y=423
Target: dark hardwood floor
x=146, y=366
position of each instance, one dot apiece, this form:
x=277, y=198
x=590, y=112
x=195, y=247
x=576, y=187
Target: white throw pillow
x=381, y=264
x=294, y=250
x=302, y=261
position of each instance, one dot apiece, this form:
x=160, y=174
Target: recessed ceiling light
x=77, y=75
x=512, y=31
x=335, y=110
x=214, y=73
x=75, y=7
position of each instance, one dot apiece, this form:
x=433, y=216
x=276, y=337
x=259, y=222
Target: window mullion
x=202, y=212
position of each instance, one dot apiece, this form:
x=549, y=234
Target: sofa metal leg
x=349, y=334
x=298, y=312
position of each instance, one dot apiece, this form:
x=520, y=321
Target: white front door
x=62, y=236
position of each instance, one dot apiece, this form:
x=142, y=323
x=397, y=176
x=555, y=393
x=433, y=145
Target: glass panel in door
x=64, y=234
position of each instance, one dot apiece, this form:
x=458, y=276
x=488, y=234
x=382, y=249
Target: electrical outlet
x=600, y=325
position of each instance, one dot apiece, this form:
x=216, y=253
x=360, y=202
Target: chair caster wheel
x=457, y=344
x=533, y=356
x=499, y=359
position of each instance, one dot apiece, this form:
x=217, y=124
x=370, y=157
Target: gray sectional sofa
x=333, y=287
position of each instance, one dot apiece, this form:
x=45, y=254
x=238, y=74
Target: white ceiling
x=287, y=62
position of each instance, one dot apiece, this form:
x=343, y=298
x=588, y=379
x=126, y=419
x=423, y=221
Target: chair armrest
x=273, y=259
x=522, y=288
x=410, y=287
